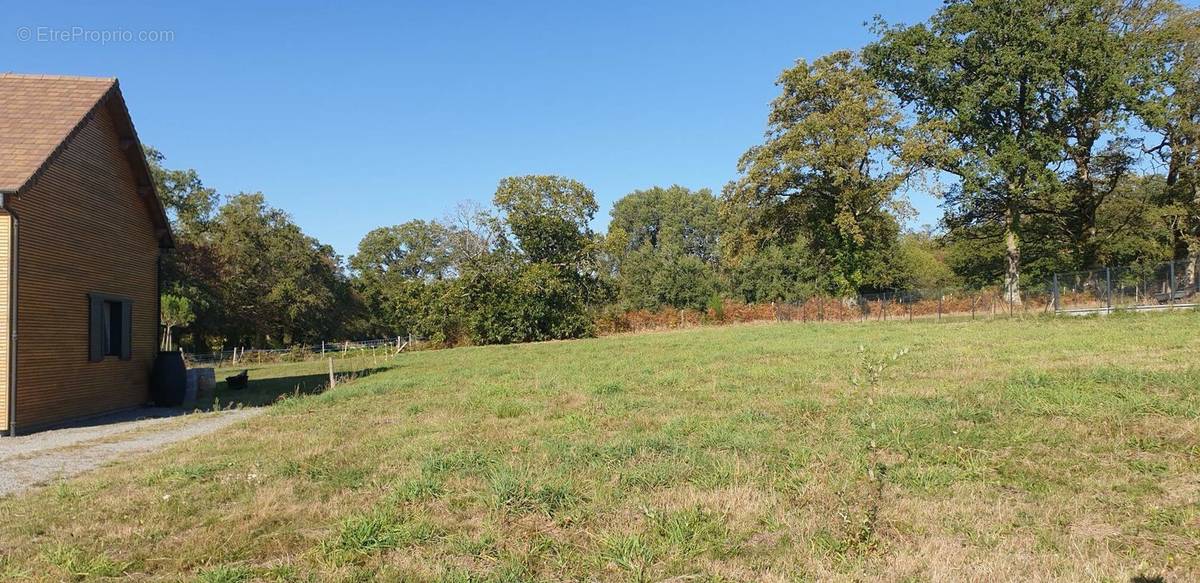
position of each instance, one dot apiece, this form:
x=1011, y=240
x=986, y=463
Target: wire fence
x=1104, y=290
x=938, y=304
x=331, y=349
x=897, y=305
x=1139, y=288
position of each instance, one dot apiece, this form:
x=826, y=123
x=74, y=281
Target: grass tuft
x=77, y=564
x=376, y=531
x=225, y=574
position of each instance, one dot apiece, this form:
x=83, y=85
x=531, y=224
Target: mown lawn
x=1062, y=449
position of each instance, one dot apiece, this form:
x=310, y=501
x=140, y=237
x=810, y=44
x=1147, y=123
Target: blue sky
x=356, y=116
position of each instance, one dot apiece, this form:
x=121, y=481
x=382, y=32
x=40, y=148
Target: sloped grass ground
x=1062, y=449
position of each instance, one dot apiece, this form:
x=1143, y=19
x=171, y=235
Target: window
x=110, y=327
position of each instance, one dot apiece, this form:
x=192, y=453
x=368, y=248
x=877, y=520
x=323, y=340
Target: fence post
x=1171, y=284
x=1057, y=305
x=882, y=310
x=910, y=303
x=940, y=296
x=332, y=380
x=1108, y=289
x=821, y=307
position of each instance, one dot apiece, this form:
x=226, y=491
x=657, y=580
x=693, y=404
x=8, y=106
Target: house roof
x=39, y=114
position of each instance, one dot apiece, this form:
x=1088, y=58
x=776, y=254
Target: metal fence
x=1141, y=288
x=336, y=349
x=946, y=303
x=1164, y=286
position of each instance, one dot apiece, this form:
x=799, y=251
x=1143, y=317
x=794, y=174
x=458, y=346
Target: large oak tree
x=828, y=173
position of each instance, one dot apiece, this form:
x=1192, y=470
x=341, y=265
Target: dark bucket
x=168, y=381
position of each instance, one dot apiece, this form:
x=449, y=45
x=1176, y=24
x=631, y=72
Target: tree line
x=1058, y=135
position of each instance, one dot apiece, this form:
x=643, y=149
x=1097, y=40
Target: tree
x=548, y=215
x=828, y=172
x=474, y=231
x=506, y=300
x=982, y=79
x=1172, y=111
x=416, y=250
x=921, y=263
x=675, y=218
x=189, y=204
x=778, y=273
x=650, y=279
x=393, y=267
x=191, y=269
x=543, y=282
x=277, y=285
x=664, y=243
x=175, y=311
x=1102, y=51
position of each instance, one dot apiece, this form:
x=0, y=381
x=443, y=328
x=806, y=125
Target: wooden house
x=81, y=235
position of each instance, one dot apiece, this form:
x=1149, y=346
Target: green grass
x=1064, y=449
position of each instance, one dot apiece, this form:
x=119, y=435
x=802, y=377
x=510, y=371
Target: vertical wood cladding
x=82, y=229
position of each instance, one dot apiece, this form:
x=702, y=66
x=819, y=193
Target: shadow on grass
x=261, y=391
x=265, y=391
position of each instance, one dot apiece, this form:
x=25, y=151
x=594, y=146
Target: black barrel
x=168, y=380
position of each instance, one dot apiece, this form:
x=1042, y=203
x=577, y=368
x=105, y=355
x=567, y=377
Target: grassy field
x=1062, y=449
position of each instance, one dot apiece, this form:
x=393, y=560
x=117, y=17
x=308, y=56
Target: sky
x=354, y=116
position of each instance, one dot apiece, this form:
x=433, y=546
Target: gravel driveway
x=30, y=460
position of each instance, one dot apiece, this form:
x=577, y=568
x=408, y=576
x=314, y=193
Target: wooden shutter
x=126, y=330
x=95, y=328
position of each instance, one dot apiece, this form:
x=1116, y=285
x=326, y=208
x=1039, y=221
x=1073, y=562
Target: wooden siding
x=5, y=263
x=82, y=229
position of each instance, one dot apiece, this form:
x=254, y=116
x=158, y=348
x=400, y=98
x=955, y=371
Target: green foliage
x=416, y=250
x=545, y=287
x=674, y=218
x=398, y=272
x=664, y=241
x=1025, y=109
x=1171, y=110
x=920, y=263
x=778, y=273
x=650, y=279
x=506, y=300
x=548, y=216
x=174, y=311
x=828, y=172
x=1024, y=101
x=190, y=204
x=277, y=285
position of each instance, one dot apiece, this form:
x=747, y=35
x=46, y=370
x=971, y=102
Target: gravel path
x=30, y=460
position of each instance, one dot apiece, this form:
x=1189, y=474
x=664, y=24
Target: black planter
x=168, y=380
